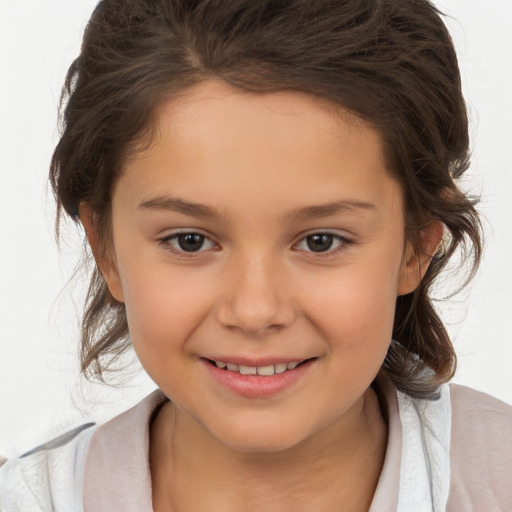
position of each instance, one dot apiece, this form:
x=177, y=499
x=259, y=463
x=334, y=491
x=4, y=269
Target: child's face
x=260, y=230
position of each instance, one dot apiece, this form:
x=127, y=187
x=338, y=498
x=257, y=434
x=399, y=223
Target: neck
x=337, y=466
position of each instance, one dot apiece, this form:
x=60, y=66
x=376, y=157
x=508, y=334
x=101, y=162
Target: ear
x=417, y=260
x=105, y=259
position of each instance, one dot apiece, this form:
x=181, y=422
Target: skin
x=256, y=289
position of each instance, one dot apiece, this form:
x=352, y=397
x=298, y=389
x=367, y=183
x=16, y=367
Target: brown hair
x=391, y=62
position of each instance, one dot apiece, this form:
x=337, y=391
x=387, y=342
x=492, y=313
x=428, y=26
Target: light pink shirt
x=117, y=475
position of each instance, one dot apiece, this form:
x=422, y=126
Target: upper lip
x=256, y=362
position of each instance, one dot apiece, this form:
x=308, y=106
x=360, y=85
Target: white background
x=40, y=390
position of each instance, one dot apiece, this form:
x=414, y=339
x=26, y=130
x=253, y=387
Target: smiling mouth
x=264, y=371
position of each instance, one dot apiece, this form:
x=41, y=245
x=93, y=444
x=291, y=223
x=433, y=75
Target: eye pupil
x=190, y=242
x=320, y=242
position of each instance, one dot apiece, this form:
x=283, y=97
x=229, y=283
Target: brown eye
x=187, y=242
x=323, y=243
x=190, y=242
x=320, y=242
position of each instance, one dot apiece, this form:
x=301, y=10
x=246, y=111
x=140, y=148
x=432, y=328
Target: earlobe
x=105, y=261
x=417, y=260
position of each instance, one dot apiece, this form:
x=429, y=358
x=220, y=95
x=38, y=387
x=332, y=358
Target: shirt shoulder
x=117, y=474
x=480, y=453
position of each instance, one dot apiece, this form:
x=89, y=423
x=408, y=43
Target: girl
x=269, y=190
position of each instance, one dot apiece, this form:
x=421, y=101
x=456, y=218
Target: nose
x=255, y=298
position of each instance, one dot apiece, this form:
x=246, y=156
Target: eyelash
x=167, y=243
x=342, y=242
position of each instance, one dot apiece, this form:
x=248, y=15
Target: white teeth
x=248, y=370
x=281, y=367
x=268, y=370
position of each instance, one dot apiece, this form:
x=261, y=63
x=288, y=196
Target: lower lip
x=257, y=386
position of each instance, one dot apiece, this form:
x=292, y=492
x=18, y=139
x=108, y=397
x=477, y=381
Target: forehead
x=220, y=142
x=212, y=105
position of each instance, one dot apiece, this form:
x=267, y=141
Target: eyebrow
x=324, y=210
x=175, y=204
x=192, y=209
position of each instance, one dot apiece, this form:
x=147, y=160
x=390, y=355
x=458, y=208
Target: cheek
x=356, y=308
x=372, y=307
x=358, y=326
x=163, y=308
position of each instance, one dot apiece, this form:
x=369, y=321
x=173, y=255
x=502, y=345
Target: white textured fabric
x=425, y=467
x=49, y=480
